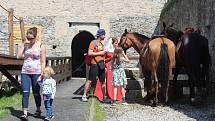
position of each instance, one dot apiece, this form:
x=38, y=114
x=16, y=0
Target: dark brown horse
x=193, y=55
x=157, y=58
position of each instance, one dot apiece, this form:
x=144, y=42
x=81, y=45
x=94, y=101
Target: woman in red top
x=110, y=45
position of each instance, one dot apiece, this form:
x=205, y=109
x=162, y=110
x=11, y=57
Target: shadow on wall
x=80, y=44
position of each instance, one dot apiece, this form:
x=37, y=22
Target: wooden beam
x=12, y=67
x=10, y=60
x=1, y=80
x=10, y=31
x=22, y=29
x=11, y=78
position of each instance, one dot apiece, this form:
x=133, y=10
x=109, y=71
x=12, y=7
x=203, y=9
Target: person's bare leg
x=87, y=87
x=123, y=91
x=104, y=89
x=123, y=95
x=114, y=95
x=114, y=92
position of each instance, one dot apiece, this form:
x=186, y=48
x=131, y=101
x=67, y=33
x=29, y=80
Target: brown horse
x=157, y=58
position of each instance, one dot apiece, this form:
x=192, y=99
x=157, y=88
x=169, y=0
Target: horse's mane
x=141, y=37
x=173, y=34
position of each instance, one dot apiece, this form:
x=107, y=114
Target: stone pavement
x=67, y=104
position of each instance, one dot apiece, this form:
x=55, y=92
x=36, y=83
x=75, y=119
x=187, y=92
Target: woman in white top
x=34, y=55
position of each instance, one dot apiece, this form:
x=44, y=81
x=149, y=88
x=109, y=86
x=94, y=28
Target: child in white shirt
x=48, y=91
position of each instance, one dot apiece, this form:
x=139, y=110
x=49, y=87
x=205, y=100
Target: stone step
x=133, y=73
x=135, y=84
x=134, y=94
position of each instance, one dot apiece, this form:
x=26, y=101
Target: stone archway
x=80, y=44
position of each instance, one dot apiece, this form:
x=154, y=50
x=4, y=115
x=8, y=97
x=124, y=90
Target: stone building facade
x=63, y=19
x=69, y=25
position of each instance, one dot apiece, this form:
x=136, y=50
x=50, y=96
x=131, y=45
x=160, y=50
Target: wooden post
x=22, y=28
x=10, y=31
x=0, y=80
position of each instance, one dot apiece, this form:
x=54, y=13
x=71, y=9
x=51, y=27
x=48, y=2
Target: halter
x=124, y=41
x=144, y=49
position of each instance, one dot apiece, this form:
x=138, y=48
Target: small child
x=118, y=73
x=48, y=91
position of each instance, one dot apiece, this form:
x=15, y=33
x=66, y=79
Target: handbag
x=88, y=57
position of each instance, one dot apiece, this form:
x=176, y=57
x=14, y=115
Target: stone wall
x=144, y=25
x=3, y=36
x=193, y=13
x=54, y=15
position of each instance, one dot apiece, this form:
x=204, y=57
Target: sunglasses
x=30, y=38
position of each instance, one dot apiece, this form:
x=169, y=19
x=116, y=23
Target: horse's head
x=125, y=40
x=198, y=30
x=172, y=33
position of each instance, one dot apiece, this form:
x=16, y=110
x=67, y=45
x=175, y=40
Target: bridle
x=124, y=40
x=144, y=49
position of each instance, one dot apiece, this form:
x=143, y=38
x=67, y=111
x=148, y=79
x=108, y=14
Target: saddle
x=157, y=36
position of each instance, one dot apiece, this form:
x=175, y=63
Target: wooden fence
x=10, y=66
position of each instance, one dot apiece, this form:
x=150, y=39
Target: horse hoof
x=192, y=100
x=154, y=105
x=167, y=103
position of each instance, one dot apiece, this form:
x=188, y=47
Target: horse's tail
x=163, y=65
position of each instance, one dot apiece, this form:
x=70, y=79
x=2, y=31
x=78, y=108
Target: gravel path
x=176, y=112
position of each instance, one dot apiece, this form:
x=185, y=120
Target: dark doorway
x=80, y=44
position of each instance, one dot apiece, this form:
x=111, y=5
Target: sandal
x=37, y=113
x=24, y=117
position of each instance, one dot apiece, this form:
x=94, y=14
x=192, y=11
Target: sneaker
x=123, y=101
x=24, y=117
x=114, y=103
x=37, y=113
x=106, y=100
x=84, y=99
x=49, y=118
x=52, y=117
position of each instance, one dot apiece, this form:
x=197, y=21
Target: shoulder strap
x=41, y=45
x=25, y=48
x=94, y=43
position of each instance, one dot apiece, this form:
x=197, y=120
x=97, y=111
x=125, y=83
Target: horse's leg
x=176, y=89
x=167, y=86
x=156, y=88
x=191, y=84
x=206, y=87
x=204, y=80
x=176, y=72
x=148, y=86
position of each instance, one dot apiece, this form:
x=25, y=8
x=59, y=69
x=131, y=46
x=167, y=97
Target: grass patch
x=9, y=102
x=98, y=111
x=86, y=115
x=95, y=111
